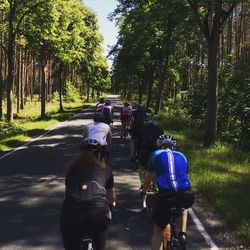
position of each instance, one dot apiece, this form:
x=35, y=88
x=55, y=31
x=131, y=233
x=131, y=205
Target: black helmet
x=140, y=106
x=90, y=145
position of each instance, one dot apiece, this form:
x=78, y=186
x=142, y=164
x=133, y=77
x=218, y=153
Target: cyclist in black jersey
x=138, y=116
x=88, y=195
x=148, y=136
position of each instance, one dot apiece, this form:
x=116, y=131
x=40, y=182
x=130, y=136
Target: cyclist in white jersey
x=99, y=131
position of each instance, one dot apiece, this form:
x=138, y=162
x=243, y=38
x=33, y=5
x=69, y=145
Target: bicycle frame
x=172, y=242
x=86, y=243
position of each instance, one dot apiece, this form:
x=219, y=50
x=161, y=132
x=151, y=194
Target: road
x=32, y=190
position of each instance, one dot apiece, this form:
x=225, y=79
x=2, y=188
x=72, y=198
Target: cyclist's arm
x=109, y=140
x=111, y=197
x=85, y=132
x=148, y=180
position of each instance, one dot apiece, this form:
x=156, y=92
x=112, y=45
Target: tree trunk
x=43, y=91
x=1, y=86
x=163, y=71
x=150, y=89
x=211, y=122
x=60, y=87
x=10, y=81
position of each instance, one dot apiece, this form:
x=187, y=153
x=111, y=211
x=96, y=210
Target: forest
x=190, y=58
x=47, y=48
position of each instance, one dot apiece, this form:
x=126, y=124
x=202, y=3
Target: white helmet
x=166, y=140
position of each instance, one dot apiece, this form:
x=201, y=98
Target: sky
x=102, y=8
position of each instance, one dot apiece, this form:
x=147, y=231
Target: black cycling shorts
x=74, y=223
x=165, y=201
x=135, y=131
x=125, y=118
x=144, y=157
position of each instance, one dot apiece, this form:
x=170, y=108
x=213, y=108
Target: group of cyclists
x=89, y=192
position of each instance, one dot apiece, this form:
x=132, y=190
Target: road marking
x=202, y=230
x=29, y=142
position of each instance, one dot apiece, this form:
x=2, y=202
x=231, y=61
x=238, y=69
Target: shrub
x=72, y=93
x=10, y=128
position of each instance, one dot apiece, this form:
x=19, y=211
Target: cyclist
x=171, y=171
x=148, y=136
x=107, y=111
x=126, y=113
x=138, y=116
x=100, y=131
x=89, y=191
x=99, y=105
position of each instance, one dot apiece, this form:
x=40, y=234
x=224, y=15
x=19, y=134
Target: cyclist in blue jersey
x=170, y=168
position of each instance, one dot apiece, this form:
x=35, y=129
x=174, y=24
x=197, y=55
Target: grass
x=31, y=125
x=221, y=173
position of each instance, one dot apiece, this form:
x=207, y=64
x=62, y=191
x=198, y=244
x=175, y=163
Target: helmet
x=166, y=140
x=126, y=104
x=90, y=145
x=140, y=106
x=107, y=102
x=149, y=120
x=98, y=117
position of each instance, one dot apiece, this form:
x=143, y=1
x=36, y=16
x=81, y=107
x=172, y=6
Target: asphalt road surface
x=32, y=190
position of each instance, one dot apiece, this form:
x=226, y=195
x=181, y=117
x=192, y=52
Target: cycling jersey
x=126, y=110
x=85, y=209
x=87, y=184
x=147, y=141
x=171, y=169
x=97, y=131
x=107, y=111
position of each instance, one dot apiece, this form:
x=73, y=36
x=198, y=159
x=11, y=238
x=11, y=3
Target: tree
x=16, y=12
x=211, y=16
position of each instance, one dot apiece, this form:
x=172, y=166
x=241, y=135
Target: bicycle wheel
x=87, y=244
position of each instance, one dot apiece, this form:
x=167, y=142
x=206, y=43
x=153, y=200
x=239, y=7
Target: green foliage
x=234, y=100
x=195, y=104
x=171, y=122
x=55, y=97
x=72, y=93
x=10, y=128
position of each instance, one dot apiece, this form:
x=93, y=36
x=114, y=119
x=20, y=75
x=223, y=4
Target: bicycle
x=87, y=243
x=170, y=238
x=125, y=128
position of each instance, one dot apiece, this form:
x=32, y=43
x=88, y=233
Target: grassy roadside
x=29, y=125
x=221, y=173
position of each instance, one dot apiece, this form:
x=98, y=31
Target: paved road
x=32, y=189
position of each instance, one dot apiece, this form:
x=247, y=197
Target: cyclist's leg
x=156, y=241
x=99, y=240
x=122, y=127
x=100, y=223
x=71, y=235
x=161, y=218
x=183, y=222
